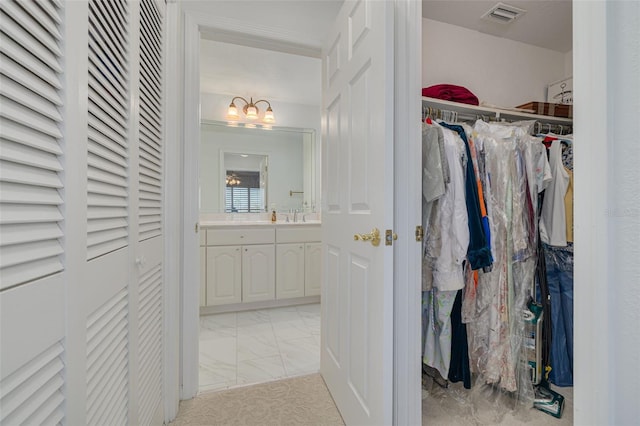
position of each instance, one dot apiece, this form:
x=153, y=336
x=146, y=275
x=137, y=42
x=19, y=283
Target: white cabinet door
x=289, y=270
x=203, y=276
x=312, y=268
x=258, y=273
x=224, y=279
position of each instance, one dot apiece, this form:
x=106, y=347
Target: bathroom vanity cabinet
x=259, y=263
x=298, y=261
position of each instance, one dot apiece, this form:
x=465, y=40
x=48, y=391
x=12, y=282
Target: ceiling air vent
x=503, y=13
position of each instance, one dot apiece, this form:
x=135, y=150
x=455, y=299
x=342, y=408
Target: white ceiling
x=309, y=20
x=546, y=23
x=235, y=70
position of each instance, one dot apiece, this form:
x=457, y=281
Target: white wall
x=624, y=204
x=498, y=71
x=607, y=206
x=285, y=151
x=568, y=63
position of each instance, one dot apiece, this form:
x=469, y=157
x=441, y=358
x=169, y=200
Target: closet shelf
x=498, y=114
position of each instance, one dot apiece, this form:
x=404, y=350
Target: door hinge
x=389, y=237
x=419, y=233
x=197, y=224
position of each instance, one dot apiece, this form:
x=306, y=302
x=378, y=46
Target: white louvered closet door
x=32, y=317
x=109, y=217
x=81, y=195
x=150, y=190
x=124, y=208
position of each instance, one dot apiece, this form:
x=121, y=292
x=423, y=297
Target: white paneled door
x=357, y=157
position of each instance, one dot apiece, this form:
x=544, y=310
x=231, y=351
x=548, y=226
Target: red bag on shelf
x=450, y=92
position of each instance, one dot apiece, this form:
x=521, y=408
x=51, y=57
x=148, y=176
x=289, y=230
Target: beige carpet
x=305, y=401
x=301, y=401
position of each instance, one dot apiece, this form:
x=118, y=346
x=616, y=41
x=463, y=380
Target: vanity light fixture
x=250, y=110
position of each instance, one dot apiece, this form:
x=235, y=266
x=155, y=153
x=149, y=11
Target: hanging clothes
x=447, y=237
x=479, y=253
x=437, y=306
x=567, y=158
x=553, y=226
x=559, y=267
x=435, y=169
x=474, y=299
x=559, y=274
x=568, y=208
x=435, y=175
x=488, y=320
x=492, y=306
x=445, y=245
x=459, y=370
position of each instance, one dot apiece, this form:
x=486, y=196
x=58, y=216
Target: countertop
x=225, y=223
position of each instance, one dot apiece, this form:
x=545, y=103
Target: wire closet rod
x=541, y=126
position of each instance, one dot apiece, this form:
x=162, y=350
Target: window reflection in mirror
x=245, y=182
x=249, y=170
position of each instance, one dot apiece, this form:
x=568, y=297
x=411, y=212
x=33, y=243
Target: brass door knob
x=373, y=236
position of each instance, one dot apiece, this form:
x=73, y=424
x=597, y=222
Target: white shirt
x=447, y=269
x=553, y=225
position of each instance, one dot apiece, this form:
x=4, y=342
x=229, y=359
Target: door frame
x=407, y=275
x=173, y=212
x=195, y=25
x=409, y=24
x=190, y=292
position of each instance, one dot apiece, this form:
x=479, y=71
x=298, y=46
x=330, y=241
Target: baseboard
x=238, y=307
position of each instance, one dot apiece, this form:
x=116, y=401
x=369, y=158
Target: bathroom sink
x=308, y=222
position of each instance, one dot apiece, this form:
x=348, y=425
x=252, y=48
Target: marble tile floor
x=243, y=348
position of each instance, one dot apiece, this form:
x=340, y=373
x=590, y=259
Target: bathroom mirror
x=253, y=170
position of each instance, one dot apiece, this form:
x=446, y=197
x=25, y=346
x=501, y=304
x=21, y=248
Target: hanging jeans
x=459, y=370
x=559, y=262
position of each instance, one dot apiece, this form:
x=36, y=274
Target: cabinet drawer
x=239, y=236
x=203, y=237
x=298, y=234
